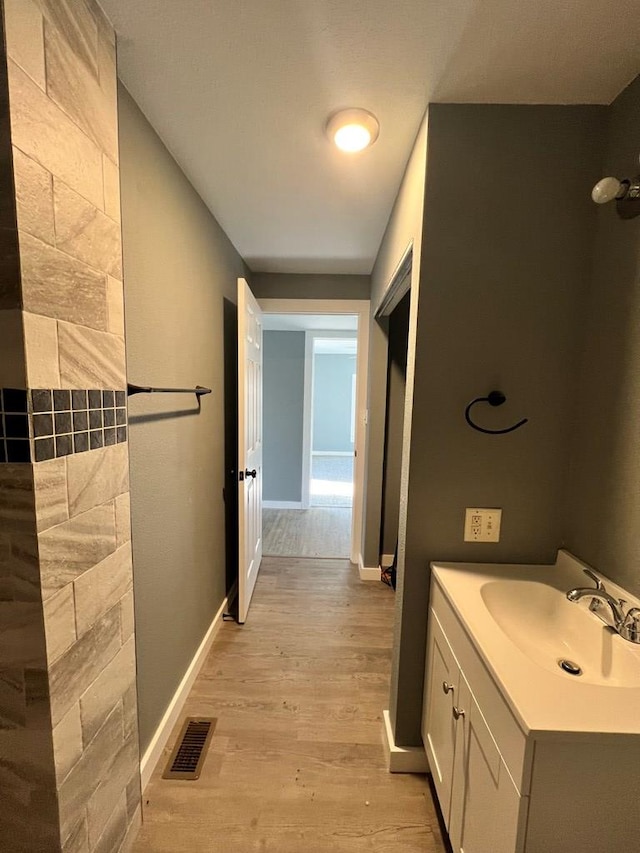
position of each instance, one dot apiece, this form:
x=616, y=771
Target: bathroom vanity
x=528, y=757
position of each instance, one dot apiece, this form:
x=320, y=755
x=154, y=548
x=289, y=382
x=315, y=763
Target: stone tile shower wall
x=69, y=763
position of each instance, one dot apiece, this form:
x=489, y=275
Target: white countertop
x=543, y=701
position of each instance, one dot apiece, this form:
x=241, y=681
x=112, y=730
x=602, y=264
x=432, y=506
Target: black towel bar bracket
x=494, y=398
x=199, y=390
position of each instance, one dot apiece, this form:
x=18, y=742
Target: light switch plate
x=482, y=525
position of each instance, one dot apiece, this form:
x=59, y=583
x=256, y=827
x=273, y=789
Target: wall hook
x=495, y=398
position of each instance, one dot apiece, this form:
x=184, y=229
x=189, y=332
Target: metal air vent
x=190, y=750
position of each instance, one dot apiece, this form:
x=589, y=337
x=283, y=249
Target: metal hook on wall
x=495, y=398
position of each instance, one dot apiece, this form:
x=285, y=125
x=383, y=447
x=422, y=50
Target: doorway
x=398, y=341
x=314, y=418
x=396, y=319
x=309, y=434
x=330, y=394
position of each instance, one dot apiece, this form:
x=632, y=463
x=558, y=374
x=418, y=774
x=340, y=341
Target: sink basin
x=547, y=628
x=521, y=624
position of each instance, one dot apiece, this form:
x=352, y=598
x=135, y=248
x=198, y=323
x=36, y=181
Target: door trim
x=307, y=421
x=361, y=308
x=399, y=284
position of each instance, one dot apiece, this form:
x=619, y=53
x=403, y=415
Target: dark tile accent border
x=15, y=445
x=47, y=422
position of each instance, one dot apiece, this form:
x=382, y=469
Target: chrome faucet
x=625, y=624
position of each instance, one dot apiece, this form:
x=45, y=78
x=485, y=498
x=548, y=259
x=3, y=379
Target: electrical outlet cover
x=482, y=524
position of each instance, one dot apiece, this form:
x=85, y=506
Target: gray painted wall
x=332, y=401
x=180, y=275
x=296, y=286
x=503, y=281
x=603, y=495
x=403, y=230
x=283, y=413
x=396, y=391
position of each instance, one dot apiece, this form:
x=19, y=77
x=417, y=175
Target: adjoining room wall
x=283, y=415
x=332, y=402
x=180, y=293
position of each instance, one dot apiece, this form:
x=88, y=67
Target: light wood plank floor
x=315, y=532
x=296, y=763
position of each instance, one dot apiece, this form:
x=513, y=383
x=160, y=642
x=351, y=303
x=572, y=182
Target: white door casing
x=249, y=445
x=361, y=308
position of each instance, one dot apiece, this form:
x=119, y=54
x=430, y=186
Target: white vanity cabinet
x=503, y=788
x=439, y=727
x=480, y=803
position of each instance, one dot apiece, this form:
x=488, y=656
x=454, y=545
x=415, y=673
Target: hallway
x=296, y=762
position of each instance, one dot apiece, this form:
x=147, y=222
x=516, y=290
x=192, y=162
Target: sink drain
x=569, y=666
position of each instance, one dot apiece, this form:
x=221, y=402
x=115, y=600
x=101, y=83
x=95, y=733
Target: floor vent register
x=191, y=748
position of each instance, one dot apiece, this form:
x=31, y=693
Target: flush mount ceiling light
x=353, y=130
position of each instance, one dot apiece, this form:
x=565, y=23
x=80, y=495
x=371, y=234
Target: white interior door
x=249, y=445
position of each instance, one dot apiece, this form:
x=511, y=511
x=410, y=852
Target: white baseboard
x=387, y=560
x=282, y=504
x=174, y=709
x=368, y=573
x=402, y=759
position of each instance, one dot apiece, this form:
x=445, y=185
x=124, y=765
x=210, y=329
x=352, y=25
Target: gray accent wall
x=506, y=252
x=180, y=275
x=332, y=402
x=313, y=286
x=283, y=413
x=603, y=495
x=403, y=232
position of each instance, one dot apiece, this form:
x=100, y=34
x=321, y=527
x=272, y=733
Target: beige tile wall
x=67, y=645
x=62, y=91
x=9, y=264
x=27, y=780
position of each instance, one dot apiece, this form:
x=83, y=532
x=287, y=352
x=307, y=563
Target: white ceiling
x=239, y=90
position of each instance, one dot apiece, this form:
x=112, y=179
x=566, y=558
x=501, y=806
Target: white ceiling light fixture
x=353, y=129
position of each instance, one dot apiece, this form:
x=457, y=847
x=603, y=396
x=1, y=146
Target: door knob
x=446, y=687
x=457, y=713
x=252, y=473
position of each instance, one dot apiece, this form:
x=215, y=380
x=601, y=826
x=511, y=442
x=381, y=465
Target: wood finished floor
x=296, y=763
x=315, y=532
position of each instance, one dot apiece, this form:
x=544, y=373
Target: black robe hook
x=495, y=398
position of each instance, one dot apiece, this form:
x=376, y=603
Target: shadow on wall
x=164, y=416
x=230, y=326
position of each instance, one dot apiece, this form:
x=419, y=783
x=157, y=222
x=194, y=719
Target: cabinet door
x=485, y=804
x=438, y=724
